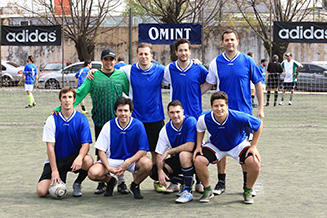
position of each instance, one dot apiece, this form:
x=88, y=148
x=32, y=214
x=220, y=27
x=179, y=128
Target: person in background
x=274, y=70
x=120, y=63
x=80, y=76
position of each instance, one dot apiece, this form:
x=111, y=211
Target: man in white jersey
x=226, y=137
x=68, y=139
x=176, y=139
x=232, y=71
x=291, y=69
x=122, y=145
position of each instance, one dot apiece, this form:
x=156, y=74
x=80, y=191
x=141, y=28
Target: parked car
x=312, y=78
x=320, y=63
x=52, y=67
x=11, y=73
x=54, y=80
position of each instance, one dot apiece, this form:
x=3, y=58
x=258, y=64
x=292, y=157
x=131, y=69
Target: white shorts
x=234, y=153
x=29, y=87
x=116, y=163
x=252, y=85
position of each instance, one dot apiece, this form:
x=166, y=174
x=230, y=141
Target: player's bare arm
x=253, y=147
x=55, y=178
x=78, y=162
x=104, y=160
x=162, y=177
x=205, y=87
x=259, y=92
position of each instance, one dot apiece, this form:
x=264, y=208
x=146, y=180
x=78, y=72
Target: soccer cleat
x=110, y=187
x=267, y=104
x=34, y=104
x=172, y=188
x=158, y=187
x=77, y=190
x=289, y=103
x=28, y=106
x=122, y=188
x=85, y=112
x=248, y=199
x=254, y=105
x=185, y=197
x=101, y=188
x=219, y=189
x=254, y=193
x=281, y=103
x=199, y=188
x=180, y=191
x=135, y=190
x=207, y=195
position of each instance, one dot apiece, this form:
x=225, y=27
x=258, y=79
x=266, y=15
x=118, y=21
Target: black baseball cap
x=288, y=54
x=108, y=52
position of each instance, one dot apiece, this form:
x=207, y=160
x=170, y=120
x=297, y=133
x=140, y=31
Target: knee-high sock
x=188, y=177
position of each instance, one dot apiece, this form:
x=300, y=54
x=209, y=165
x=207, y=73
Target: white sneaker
x=185, y=197
x=254, y=193
x=289, y=103
x=281, y=103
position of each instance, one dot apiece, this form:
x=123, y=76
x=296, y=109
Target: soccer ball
x=58, y=191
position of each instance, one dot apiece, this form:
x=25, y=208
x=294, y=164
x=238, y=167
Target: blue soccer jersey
x=119, y=65
x=67, y=134
x=30, y=71
x=185, y=86
x=233, y=77
x=171, y=137
x=227, y=135
x=263, y=72
x=145, y=91
x=81, y=75
x=122, y=143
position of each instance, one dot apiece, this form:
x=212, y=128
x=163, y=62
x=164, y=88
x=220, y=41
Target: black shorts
x=174, y=164
x=210, y=155
x=152, y=132
x=273, y=80
x=63, y=165
x=288, y=85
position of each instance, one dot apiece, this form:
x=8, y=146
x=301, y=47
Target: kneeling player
x=226, y=130
x=67, y=136
x=177, y=139
x=122, y=145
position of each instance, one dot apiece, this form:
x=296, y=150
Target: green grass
x=292, y=182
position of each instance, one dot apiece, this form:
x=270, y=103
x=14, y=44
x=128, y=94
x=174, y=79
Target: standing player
x=274, y=70
x=31, y=77
x=68, y=139
x=186, y=79
x=107, y=85
x=226, y=129
x=80, y=76
x=291, y=69
x=122, y=145
x=177, y=139
x=262, y=68
x=232, y=71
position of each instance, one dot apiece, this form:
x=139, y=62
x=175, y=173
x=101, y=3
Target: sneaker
x=248, y=199
x=267, y=104
x=254, y=105
x=219, y=189
x=254, y=193
x=101, y=188
x=207, y=195
x=180, y=191
x=158, y=187
x=77, y=190
x=281, y=103
x=122, y=188
x=275, y=103
x=34, y=104
x=28, y=106
x=85, y=112
x=172, y=188
x=135, y=190
x=289, y=103
x=199, y=188
x=185, y=197
x=110, y=187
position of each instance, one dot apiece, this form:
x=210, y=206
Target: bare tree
x=179, y=11
x=82, y=20
x=257, y=15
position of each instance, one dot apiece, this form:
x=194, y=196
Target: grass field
x=292, y=182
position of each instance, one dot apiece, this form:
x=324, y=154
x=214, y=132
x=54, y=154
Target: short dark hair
x=218, y=95
x=30, y=57
x=120, y=58
x=144, y=45
x=228, y=31
x=263, y=60
x=65, y=90
x=124, y=101
x=250, y=53
x=174, y=103
x=86, y=63
x=181, y=41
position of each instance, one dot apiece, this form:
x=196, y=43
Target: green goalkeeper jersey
x=104, y=92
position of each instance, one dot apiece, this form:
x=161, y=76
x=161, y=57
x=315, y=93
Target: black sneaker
x=28, y=106
x=219, y=189
x=110, y=187
x=135, y=190
x=34, y=104
x=267, y=104
x=122, y=188
x=101, y=188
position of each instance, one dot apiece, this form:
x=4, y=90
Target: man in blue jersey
x=177, y=139
x=227, y=137
x=68, y=139
x=262, y=68
x=80, y=76
x=232, y=71
x=122, y=145
x=31, y=77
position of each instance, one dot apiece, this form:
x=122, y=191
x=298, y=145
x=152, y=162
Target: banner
x=169, y=33
x=300, y=32
x=31, y=35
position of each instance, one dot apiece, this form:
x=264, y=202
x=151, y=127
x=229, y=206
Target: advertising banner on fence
x=300, y=32
x=31, y=35
x=168, y=33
